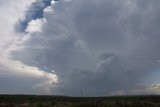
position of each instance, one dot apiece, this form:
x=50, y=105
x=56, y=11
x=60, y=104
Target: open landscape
x=64, y=101
x=66, y=53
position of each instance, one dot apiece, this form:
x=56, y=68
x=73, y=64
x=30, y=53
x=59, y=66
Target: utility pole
x=81, y=93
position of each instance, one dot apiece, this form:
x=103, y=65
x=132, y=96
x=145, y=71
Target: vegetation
x=63, y=101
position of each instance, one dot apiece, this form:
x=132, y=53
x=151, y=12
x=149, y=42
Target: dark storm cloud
x=100, y=46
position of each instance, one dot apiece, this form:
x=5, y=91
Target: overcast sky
x=103, y=47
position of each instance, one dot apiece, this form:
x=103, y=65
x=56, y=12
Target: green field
x=64, y=101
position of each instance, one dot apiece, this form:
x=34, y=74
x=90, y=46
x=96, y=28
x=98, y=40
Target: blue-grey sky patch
x=35, y=11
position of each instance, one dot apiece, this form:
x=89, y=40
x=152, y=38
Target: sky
x=102, y=47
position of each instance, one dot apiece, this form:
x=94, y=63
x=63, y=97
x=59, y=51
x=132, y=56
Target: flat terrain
x=64, y=101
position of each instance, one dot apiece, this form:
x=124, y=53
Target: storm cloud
x=15, y=76
x=103, y=47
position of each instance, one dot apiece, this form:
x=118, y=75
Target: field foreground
x=63, y=101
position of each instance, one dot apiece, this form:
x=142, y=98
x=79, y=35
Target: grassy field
x=63, y=101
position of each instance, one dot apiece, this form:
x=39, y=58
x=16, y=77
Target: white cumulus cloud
x=17, y=77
